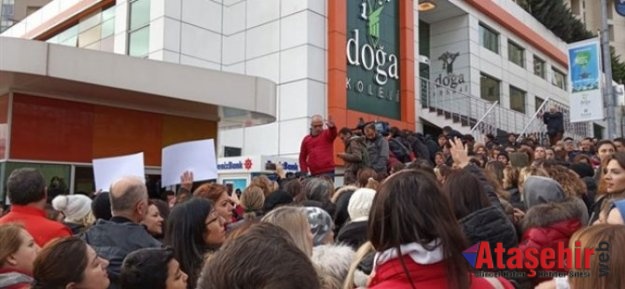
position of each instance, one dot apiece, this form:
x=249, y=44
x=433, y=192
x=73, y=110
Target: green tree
x=558, y=18
x=618, y=67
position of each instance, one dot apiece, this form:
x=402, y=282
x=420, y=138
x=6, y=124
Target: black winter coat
x=489, y=224
x=113, y=240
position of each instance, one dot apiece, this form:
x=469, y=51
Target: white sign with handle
x=197, y=157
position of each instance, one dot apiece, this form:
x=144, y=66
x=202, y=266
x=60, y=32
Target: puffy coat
x=115, y=239
x=316, y=153
x=433, y=276
x=546, y=225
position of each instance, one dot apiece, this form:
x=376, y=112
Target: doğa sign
x=373, y=65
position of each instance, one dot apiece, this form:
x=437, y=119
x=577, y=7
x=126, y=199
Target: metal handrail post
x=484, y=116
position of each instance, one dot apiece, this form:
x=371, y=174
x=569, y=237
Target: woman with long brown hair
x=18, y=251
x=417, y=239
x=70, y=263
x=612, y=183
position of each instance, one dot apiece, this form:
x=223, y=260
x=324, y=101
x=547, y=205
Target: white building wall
x=497, y=65
x=281, y=40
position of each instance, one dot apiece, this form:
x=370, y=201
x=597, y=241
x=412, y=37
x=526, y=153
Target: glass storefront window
x=489, y=88
x=489, y=38
x=139, y=43
x=56, y=176
x=516, y=54
x=517, y=99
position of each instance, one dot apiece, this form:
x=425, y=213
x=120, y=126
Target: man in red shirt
x=27, y=193
x=316, y=155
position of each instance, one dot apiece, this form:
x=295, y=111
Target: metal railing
x=486, y=117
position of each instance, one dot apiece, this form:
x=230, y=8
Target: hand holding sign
x=195, y=157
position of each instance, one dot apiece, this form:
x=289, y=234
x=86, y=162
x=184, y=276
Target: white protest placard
x=108, y=170
x=197, y=157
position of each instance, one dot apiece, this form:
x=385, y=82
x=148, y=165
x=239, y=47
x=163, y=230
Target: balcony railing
x=486, y=117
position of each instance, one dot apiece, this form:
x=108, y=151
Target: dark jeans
x=554, y=138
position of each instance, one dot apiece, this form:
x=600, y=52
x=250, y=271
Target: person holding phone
x=316, y=155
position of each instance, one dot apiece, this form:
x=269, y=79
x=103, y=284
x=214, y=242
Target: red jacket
x=316, y=154
x=549, y=237
x=432, y=276
x=34, y=220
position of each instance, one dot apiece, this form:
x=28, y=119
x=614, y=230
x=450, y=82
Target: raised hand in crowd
x=459, y=153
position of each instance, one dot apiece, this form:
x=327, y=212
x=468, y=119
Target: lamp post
x=607, y=68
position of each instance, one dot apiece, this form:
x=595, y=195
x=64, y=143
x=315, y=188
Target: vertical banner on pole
x=586, y=98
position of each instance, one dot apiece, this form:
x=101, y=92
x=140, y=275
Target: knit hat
x=360, y=204
x=101, y=206
x=74, y=207
x=540, y=190
x=320, y=224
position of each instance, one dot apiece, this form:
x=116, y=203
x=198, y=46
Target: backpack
x=399, y=150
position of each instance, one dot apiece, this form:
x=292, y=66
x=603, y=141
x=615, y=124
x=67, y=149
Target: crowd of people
x=405, y=214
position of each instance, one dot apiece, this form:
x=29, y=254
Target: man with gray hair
x=316, y=155
x=123, y=233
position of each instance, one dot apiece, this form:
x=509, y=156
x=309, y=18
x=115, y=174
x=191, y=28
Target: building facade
x=481, y=66
x=64, y=105
x=12, y=11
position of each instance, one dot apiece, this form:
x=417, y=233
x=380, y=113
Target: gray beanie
x=540, y=190
x=320, y=224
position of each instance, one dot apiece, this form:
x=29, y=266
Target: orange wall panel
x=180, y=129
x=119, y=131
x=50, y=129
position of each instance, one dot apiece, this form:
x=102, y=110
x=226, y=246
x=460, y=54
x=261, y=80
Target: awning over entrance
x=104, y=78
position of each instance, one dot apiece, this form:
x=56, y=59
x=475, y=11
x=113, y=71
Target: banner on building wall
x=372, y=57
x=619, y=5
x=586, y=98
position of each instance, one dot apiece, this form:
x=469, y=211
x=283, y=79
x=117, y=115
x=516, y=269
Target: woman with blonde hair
x=295, y=221
x=18, y=251
x=252, y=201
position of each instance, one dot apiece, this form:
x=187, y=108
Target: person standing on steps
x=316, y=156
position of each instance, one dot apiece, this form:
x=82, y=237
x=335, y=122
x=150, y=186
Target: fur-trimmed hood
x=547, y=214
x=333, y=260
x=342, y=190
